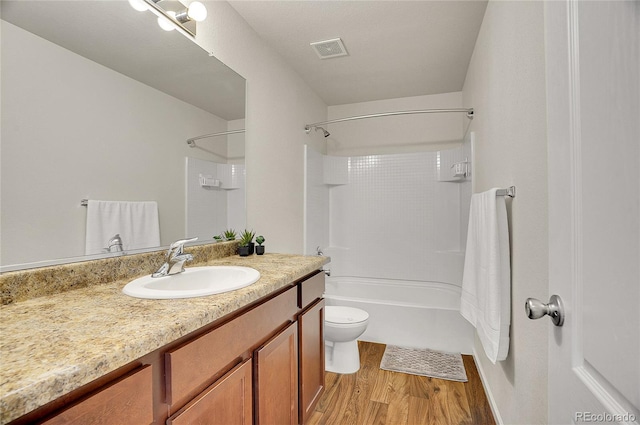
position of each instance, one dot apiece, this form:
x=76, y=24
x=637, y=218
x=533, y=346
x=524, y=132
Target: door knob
x=536, y=309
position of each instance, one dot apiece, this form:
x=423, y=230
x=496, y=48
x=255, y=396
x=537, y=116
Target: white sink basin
x=193, y=282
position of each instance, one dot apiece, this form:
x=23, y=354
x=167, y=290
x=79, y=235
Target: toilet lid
x=340, y=314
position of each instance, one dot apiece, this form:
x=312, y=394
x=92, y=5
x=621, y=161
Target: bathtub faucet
x=319, y=250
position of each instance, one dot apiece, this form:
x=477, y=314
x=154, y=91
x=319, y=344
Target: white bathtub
x=410, y=314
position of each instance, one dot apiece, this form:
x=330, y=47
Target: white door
x=593, y=97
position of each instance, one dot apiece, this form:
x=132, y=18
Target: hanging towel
x=136, y=222
x=486, y=281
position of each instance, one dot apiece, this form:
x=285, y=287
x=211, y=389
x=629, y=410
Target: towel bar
x=510, y=192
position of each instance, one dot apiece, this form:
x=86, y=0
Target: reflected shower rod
x=468, y=111
x=192, y=141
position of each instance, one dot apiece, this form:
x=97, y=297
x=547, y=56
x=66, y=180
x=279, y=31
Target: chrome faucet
x=114, y=244
x=174, y=259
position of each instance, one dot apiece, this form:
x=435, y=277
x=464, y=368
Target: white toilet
x=342, y=326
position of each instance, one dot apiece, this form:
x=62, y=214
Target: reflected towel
x=486, y=281
x=136, y=222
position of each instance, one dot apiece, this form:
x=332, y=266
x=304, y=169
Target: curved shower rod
x=192, y=141
x=468, y=111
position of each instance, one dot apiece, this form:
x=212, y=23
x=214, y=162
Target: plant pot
x=243, y=251
x=251, y=247
x=260, y=249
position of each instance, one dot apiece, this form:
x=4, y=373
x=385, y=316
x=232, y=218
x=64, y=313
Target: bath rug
x=424, y=362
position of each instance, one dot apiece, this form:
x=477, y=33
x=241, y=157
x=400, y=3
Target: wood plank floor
x=373, y=396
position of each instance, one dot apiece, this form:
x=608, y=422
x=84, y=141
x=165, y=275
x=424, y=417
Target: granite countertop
x=54, y=344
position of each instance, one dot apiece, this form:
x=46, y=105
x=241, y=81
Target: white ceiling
x=396, y=48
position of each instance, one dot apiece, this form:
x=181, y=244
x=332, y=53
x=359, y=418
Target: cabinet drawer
x=311, y=289
x=228, y=401
x=128, y=401
x=191, y=368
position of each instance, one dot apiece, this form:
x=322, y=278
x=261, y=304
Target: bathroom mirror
x=97, y=103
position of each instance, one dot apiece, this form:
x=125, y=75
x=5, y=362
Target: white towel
x=486, y=281
x=136, y=222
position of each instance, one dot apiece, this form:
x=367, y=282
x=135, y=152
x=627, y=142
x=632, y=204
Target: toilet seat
x=345, y=315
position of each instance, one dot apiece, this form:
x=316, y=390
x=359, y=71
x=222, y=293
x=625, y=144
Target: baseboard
x=487, y=390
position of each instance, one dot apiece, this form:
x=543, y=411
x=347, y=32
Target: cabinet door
x=227, y=402
x=311, y=332
x=276, y=385
x=127, y=401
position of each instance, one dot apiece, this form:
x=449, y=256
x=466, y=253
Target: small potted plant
x=246, y=243
x=229, y=235
x=218, y=238
x=260, y=248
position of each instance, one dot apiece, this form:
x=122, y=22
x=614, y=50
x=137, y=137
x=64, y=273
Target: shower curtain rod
x=468, y=111
x=192, y=141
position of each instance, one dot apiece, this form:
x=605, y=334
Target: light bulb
x=197, y=11
x=165, y=23
x=139, y=5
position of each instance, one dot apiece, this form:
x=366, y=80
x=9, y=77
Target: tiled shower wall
x=211, y=210
x=389, y=216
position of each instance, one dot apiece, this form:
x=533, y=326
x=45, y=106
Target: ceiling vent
x=329, y=48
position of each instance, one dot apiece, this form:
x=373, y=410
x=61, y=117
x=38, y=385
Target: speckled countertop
x=54, y=344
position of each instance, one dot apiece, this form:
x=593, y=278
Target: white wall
x=279, y=104
x=505, y=84
x=121, y=128
x=396, y=134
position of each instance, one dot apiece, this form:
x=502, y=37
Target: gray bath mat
x=424, y=362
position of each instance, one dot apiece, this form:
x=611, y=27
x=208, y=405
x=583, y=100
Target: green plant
x=230, y=234
x=218, y=238
x=246, y=237
x=260, y=240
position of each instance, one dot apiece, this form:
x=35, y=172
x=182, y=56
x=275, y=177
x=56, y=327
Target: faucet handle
x=179, y=245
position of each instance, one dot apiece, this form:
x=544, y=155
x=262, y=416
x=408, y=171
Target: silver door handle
x=536, y=309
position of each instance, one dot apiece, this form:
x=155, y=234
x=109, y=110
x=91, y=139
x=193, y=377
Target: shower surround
x=395, y=228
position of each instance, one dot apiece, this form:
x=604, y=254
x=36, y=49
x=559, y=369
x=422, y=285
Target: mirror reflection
x=101, y=110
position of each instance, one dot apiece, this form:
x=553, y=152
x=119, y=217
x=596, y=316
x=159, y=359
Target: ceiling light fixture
x=174, y=14
x=139, y=5
x=195, y=11
x=166, y=23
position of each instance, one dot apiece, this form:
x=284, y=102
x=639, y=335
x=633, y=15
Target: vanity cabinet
x=126, y=401
x=311, y=352
x=228, y=401
x=197, y=363
x=263, y=365
x=311, y=344
x=276, y=379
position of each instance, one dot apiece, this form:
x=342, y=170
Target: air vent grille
x=329, y=48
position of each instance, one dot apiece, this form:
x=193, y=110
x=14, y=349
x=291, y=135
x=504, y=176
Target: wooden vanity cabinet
x=311, y=344
x=228, y=401
x=311, y=352
x=263, y=365
x=283, y=338
x=126, y=401
x=276, y=379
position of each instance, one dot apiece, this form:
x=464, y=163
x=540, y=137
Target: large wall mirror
x=98, y=103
